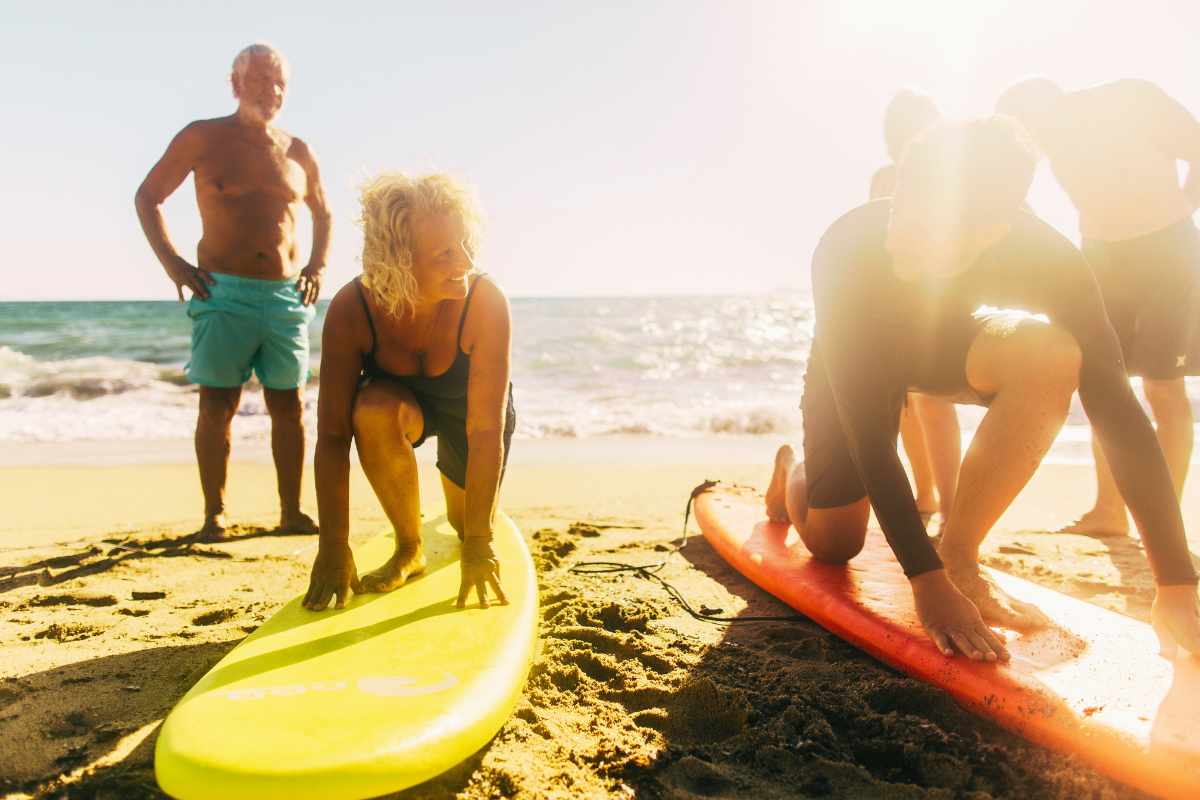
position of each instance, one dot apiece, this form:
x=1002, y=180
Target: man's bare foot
x=1100, y=524
x=996, y=606
x=299, y=522
x=213, y=530
x=407, y=561
x=785, y=460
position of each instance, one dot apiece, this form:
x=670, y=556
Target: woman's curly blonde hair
x=390, y=202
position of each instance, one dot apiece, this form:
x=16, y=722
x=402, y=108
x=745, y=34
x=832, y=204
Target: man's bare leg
x=1030, y=369
x=286, y=407
x=1173, y=421
x=943, y=442
x=1107, y=516
x=913, y=436
x=217, y=407
x=1173, y=425
x=387, y=420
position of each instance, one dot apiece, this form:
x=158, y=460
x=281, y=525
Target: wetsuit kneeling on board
x=951, y=289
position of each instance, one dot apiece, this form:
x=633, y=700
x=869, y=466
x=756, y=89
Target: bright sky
x=644, y=147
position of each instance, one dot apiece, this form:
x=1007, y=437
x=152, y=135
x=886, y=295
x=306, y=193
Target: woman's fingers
x=494, y=581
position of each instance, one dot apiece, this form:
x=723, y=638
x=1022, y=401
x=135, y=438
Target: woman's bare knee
x=386, y=413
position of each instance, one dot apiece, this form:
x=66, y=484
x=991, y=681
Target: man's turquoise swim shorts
x=249, y=325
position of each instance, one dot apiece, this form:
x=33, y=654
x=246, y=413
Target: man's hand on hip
x=184, y=274
x=309, y=284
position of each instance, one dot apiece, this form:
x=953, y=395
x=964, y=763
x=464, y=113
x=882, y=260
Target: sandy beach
x=110, y=613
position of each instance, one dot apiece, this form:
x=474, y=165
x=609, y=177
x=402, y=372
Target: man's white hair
x=259, y=50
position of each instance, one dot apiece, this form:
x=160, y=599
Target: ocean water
x=582, y=367
x=673, y=366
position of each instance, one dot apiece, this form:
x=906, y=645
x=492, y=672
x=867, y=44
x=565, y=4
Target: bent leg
x=1107, y=516
x=286, y=407
x=835, y=535
x=1030, y=369
x=387, y=420
x=217, y=407
x=1173, y=422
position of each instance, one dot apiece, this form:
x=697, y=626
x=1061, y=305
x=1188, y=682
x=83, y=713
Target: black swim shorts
x=1150, y=286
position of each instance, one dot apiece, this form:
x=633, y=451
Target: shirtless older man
x=1114, y=149
x=249, y=309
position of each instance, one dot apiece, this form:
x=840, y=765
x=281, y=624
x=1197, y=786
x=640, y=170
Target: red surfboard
x=1092, y=684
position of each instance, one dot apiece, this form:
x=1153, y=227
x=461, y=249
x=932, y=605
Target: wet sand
x=109, y=612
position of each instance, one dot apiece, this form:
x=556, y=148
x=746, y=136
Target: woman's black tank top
x=446, y=391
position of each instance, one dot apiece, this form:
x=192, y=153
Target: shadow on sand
x=87, y=713
x=785, y=709
x=97, y=559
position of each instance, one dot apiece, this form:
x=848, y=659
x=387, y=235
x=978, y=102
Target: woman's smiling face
x=441, y=257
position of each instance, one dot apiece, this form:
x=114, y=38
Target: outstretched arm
x=1118, y=421
x=1133, y=452
x=868, y=406
x=309, y=283
x=333, y=571
x=163, y=179
x=488, y=337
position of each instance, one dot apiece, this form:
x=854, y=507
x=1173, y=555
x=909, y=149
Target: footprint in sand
x=215, y=617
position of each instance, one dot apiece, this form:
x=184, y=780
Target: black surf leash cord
x=651, y=571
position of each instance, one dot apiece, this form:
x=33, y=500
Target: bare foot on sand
x=785, y=459
x=1099, y=523
x=996, y=606
x=213, y=530
x=407, y=561
x=299, y=522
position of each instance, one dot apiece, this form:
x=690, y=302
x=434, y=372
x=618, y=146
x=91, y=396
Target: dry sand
x=109, y=614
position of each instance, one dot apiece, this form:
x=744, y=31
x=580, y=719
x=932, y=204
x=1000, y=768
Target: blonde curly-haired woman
x=417, y=346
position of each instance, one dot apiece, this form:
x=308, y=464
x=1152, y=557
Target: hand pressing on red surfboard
x=952, y=620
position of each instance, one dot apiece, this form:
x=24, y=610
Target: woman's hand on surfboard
x=333, y=575
x=1176, y=619
x=480, y=569
x=952, y=620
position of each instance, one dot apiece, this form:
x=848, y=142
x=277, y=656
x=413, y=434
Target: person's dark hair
x=976, y=172
x=908, y=113
x=1030, y=101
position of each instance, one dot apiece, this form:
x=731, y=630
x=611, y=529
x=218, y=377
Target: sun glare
x=952, y=27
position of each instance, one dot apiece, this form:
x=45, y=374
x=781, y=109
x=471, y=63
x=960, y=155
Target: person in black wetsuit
x=928, y=425
x=900, y=289
x=418, y=346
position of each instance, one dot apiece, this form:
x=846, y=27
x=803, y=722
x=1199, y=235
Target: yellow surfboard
x=354, y=703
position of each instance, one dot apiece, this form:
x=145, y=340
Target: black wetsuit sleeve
x=1072, y=299
x=868, y=406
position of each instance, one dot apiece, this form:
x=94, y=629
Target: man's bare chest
x=237, y=169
